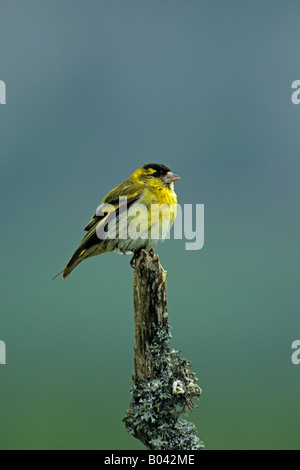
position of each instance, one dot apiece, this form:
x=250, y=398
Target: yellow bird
x=133, y=216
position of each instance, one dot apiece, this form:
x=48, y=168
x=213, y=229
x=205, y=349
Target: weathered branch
x=163, y=386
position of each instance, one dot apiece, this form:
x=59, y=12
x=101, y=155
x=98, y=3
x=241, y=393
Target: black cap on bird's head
x=161, y=171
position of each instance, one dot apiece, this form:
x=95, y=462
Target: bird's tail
x=66, y=271
x=56, y=275
x=74, y=261
x=79, y=255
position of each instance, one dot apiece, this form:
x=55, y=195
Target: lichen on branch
x=163, y=386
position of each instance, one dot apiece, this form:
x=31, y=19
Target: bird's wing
x=129, y=189
x=109, y=209
x=132, y=193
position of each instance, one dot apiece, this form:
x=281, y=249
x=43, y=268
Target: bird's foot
x=134, y=258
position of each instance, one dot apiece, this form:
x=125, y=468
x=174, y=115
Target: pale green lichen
x=157, y=404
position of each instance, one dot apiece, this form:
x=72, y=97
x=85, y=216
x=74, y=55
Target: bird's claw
x=133, y=259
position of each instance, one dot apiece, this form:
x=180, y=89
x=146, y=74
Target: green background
x=96, y=89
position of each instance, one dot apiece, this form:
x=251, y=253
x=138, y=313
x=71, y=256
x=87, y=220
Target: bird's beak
x=170, y=177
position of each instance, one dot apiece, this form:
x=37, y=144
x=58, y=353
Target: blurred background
x=95, y=90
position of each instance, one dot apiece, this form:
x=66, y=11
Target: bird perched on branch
x=133, y=216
